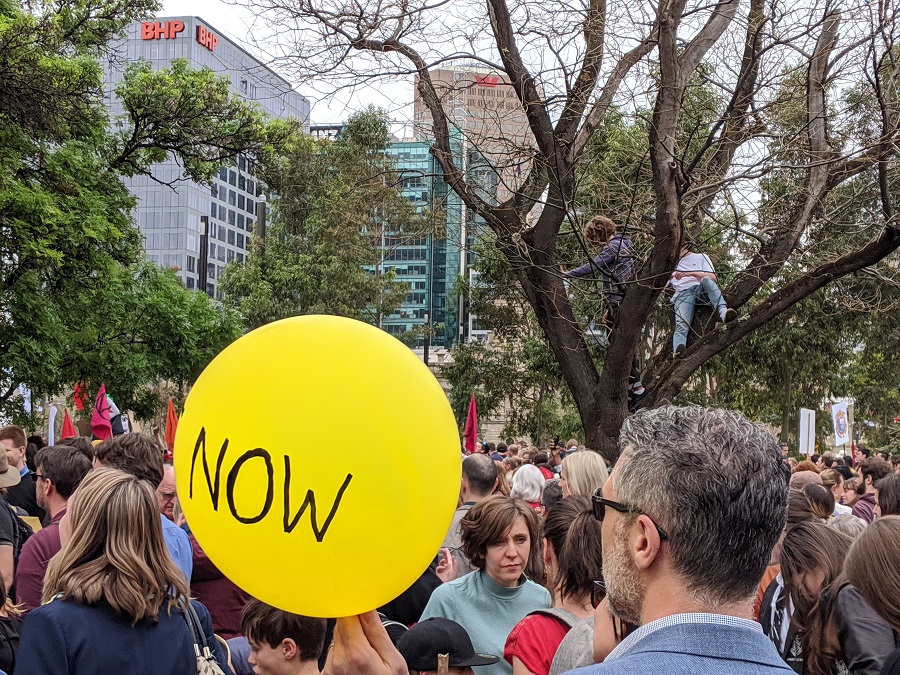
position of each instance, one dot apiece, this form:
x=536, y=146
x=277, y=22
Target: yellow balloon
x=318, y=465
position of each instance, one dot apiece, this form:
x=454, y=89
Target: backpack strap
x=563, y=615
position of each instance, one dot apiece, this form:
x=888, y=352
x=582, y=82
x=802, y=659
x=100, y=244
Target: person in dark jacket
x=221, y=596
x=873, y=567
x=23, y=494
x=615, y=265
x=839, y=631
x=112, y=593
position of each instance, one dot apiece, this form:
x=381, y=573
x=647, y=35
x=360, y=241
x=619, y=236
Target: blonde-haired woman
x=111, y=594
x=583, y=473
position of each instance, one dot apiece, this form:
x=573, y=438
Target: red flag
x=471, y=432
x=100, y=423
x=78, y=395
x=68, y=429
x=171, y=426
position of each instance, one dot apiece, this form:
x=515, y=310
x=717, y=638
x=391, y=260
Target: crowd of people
x=707, y=549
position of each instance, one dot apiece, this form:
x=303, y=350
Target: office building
x=428, y=264
x=170, y=219
x=484, y=113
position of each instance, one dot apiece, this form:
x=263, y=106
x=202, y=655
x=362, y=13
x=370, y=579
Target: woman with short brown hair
x=501, y=537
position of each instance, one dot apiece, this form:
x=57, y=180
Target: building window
x=231, y=241
x=191, y=263
x=212, y=230
x=242, y=182
x=243, y=86
x=240, y=240
x=232, y=178
x=240, y=257
x=240, y=222
x=249, y=225
x=223, y=173
x=189, y=282
x=230, y=255
x=220, y=253
x=221, y=212
x=240, y=203
x=242, y=163
x=230, y=217
x=214, y=190
x=212, y=209
x=221, y=236
x=232, y=197
x=251, y=206
x=250, y=186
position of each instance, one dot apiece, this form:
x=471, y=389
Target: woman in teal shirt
x=499, y=536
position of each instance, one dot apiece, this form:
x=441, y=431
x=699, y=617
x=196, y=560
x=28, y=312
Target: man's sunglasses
x=600, y=503
x=598, y=592
x=36, y=476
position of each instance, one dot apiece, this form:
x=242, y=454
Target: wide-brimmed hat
x=9, y=475
x=422, y=644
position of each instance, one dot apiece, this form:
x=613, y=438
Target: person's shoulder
x=532, y=587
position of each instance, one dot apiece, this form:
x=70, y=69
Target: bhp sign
x=167, y=30
x=207, y=38
x=157, y=30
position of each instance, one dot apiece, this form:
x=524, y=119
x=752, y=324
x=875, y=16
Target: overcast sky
x=235, y=22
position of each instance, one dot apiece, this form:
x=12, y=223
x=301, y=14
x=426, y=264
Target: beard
x=624, y=588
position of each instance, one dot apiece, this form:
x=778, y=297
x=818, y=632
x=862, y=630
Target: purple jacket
x=615, y=264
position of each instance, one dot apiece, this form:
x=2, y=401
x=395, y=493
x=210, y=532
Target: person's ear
x=548, y=552
x=646, y=542
x=289, y=649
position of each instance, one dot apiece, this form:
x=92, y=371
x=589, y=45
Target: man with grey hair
x=691, y=513
x=479, y=479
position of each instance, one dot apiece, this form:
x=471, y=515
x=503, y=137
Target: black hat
x=422, y=643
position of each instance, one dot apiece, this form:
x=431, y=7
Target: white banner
x=51, y=436
x=807, y=431
x=841, y=423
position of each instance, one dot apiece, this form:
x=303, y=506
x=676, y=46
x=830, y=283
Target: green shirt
x=488, y=612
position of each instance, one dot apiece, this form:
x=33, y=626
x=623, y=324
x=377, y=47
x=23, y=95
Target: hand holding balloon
x=363, y=647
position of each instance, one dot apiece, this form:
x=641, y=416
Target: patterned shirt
x=674, y=620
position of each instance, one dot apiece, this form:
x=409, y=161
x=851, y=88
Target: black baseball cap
x=422, y=643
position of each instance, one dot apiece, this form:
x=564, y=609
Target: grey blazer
x=696, y=649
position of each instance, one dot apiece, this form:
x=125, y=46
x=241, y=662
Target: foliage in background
x=77, y=302
x=338, y=209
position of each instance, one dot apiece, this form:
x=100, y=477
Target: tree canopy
x=77, y=302
x=337, y=204
x=770, y=144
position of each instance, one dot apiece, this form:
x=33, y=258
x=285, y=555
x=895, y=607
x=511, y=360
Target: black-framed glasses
x=600, y=503
x=598, y=592
x=36, y=476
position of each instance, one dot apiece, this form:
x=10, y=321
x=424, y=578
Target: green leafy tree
x=336, y=211
x=709, y=76
x=77, y=304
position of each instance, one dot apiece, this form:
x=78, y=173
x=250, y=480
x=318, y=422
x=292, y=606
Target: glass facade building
x=430, y=265
x=169, y=217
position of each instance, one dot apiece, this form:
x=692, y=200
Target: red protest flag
x=100, y=422
x=471, y=432
x=68, y=429
x=171, y=427
x=78, y=395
